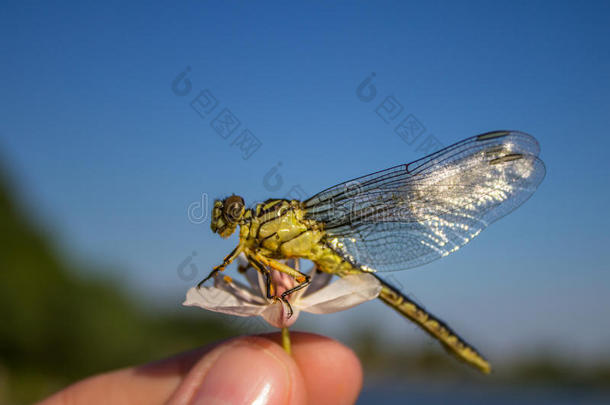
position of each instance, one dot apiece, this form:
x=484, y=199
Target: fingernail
x=245, y=374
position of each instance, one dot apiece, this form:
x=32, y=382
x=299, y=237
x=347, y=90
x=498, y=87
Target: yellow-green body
x=419, y=212
x=278, y=230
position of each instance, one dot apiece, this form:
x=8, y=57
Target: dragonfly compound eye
x=234, y=208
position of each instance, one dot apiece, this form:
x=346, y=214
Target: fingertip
x=244, y=370
x=331, y=371
x=238, y=371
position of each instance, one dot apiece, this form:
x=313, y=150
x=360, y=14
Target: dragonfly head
x=227, y=214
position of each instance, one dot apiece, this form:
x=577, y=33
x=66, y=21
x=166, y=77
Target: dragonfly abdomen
x=433, y=326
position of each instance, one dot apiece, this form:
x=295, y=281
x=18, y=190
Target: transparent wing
x=411, y=214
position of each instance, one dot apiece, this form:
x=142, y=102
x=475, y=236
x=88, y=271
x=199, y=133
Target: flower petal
x=255, y=280
x=239, y=290
x=342, y=294
x=276, y=314
x=219, y=300
x=319, y=280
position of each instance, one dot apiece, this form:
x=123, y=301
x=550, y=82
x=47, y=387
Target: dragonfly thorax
x=226, y=215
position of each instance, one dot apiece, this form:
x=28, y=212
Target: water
x=473, y=395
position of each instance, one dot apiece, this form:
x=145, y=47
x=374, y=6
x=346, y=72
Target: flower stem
x=286, y=341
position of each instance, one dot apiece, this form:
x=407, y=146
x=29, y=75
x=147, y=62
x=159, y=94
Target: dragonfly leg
x=285, y=301
x=261, y=267
x=279, y=266
x=263, y=270
x=299, y=286
x=227, y=260
x=303, y=279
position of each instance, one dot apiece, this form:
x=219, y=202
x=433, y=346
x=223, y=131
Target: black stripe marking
x=267, y=237
x=260, y=224
x=492, y=135
x=270, y=209
x=294, y=237
x=507, y=158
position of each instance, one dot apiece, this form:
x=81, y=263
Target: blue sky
x=107, y=158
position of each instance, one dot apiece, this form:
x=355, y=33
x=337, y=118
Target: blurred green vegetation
x=56, y=326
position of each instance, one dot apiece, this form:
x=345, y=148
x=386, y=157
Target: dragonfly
x=394, y=219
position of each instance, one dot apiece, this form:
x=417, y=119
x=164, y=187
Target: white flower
x=320, y=297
